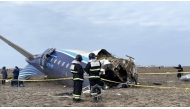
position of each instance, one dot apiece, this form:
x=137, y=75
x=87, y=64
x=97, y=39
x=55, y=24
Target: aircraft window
x=63, y=63
x=55, y=61
x=51, y=59
x=59, y=62
x=67, y=65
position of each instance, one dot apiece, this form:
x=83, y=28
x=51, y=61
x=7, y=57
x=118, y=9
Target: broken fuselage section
x=117, y=70
x=114, y=71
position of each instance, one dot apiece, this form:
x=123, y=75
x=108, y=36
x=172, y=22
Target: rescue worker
x=16, y=72
x=4, y=75
x=93, y=69
x=78, y=77
x=15, y=76
x=180, y=69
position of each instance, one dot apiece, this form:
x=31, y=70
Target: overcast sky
x=154, y=33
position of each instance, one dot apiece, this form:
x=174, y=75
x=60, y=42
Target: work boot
x=77, y=100
x=80, y=100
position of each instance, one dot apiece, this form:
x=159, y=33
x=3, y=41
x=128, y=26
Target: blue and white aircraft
x=52, y=63
x=56, y=64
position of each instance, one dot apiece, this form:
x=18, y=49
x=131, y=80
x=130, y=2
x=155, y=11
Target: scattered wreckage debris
x=123, y=85
x=67, y=94
x=185, y=77
x=157, y=83
x=97, y=90
x=117, y=69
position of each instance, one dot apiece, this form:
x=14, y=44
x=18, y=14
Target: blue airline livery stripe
x=26, y=72
x=30, y=68
x=53, y=56
x=74, y=55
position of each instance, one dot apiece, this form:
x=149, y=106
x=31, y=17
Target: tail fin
x=19, y=49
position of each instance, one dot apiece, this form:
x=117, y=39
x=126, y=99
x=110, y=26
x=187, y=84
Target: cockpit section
x=46, y=55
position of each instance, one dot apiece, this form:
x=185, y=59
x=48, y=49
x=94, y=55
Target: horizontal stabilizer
x=28, y=72
x=19, y=49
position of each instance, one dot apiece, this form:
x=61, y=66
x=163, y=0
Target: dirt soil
x=42, y=94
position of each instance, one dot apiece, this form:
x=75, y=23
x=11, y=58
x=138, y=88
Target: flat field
x=42, y=94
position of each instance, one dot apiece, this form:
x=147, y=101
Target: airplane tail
x=28, y=72
x=19, y=49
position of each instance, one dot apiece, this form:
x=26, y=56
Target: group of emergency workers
x=92, y=68
x=5, y=75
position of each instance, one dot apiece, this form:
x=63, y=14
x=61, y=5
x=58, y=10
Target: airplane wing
x=19, y=49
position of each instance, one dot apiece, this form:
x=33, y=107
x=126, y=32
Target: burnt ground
x=42, y=94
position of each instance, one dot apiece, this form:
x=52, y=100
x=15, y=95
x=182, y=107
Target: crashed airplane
x=56, y=64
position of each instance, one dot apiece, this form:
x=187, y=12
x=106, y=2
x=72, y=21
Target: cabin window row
x=58, y=62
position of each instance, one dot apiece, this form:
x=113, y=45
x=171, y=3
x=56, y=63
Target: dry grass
x=41, y=94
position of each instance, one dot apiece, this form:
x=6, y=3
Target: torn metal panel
x=117, y=69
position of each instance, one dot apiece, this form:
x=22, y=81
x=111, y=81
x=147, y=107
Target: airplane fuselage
x=58, y=65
